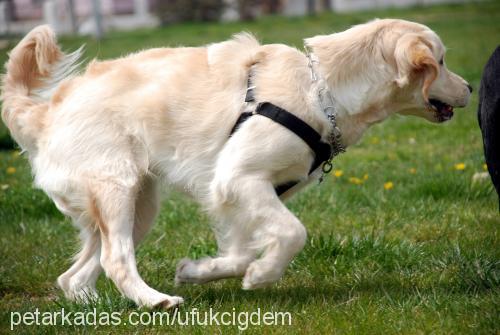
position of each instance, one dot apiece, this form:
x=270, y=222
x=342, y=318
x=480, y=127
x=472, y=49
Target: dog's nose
x=470, y=88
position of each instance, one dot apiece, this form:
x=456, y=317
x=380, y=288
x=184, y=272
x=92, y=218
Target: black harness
x=322, y=150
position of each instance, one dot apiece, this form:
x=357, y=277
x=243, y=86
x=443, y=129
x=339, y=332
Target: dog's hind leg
x=113, y=207
x=147, y=205
x=91, y=247
x=81, y=283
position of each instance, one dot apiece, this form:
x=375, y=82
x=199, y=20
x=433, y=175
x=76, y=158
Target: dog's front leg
x=252, y=219
x=258, y=213
x=277, y=233
x=234, y=255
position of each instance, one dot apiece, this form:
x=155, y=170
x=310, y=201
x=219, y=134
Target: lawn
x=420, y=257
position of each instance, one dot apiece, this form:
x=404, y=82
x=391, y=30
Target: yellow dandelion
x=485, y=167
x=412, y=170
x=338, y=173
x=389, y=185
x=11, y=170
x=460, y=166
x=365, y=177
x=355, y=180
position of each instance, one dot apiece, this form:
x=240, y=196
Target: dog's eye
x=441, y=61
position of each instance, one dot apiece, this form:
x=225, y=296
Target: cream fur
x=102, y=142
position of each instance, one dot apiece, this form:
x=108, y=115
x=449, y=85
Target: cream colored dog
x=101, y=142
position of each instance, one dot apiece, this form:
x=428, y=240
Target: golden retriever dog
x=103, y=141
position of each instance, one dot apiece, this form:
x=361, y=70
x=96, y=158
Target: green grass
x=422, y=257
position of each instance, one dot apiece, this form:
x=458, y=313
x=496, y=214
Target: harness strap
x=242, y=118
x=322, y=151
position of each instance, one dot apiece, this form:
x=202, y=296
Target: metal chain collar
x=328, y=106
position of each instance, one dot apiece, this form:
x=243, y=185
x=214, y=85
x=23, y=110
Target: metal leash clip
x=326, y=168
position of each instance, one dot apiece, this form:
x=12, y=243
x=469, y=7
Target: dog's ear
x=413, y=55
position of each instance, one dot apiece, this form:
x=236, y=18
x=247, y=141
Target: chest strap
x=322, y=151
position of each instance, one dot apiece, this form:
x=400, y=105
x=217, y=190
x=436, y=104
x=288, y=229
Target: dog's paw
x=166, y=302
x=193, y=272
x=258, y=276
x=185, y=272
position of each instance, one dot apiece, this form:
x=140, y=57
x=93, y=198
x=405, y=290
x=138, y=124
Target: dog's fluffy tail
x=35, y=67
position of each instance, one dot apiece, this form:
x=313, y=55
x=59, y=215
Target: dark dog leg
x=489, y=116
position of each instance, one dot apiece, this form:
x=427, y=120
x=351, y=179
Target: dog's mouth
x=442, y=111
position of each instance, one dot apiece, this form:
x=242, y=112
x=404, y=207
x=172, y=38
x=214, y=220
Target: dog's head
x=431, y=89
x=390, y=66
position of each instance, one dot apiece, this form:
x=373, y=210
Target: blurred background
x=98, y=16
